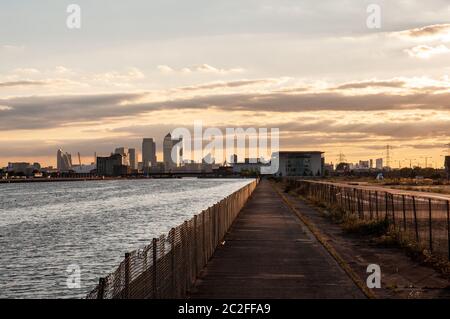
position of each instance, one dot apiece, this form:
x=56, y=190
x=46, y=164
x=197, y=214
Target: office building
x=111, y=166
x=124, y=152
x=148, y=154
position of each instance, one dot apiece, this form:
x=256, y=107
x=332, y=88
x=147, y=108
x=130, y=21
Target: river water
x=46, y=227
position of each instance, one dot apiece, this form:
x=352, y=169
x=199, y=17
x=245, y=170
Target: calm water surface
x=45, y=227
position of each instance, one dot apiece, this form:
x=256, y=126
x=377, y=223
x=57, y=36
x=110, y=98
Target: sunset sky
x=141, y=68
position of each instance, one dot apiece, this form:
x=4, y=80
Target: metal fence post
x=415, y=219
x=404, y=212
x=393, y=209
x=430, y=225
x=358, y=203
x=127, y=276
x=386, y=205
x=101, y=288
x=205, y=255
x=172, y=262
x=154, y=270
x=376, y=203
x=195, y=246
x=448, y=228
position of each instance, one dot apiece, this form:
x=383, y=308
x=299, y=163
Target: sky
x=141, y=68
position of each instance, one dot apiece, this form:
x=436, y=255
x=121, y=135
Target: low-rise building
x=23, y=168
x=300, y=163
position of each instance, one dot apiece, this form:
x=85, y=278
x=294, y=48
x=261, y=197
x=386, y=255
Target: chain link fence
x=420, y=219
x=167, y=268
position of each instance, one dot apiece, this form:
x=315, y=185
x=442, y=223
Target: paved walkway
x=269, y=253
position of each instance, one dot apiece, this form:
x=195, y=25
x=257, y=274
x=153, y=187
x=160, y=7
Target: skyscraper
x=132, y=158
x=63, y=161
x=148, y=153
x=168, y=145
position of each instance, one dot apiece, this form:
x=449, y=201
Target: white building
x=132, y=158
x=63, y=161
x=168, y=145
x=84, y=169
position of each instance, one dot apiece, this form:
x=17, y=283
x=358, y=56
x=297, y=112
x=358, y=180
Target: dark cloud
x=281, y=102
x=390, y=129
x=369, y=84
x=54, y=111
x=221, y=85
x=22, y=83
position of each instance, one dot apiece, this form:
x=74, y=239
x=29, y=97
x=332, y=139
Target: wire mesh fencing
x=424, y=220
x=168, y=267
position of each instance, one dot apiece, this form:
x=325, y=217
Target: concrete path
x=269, y=253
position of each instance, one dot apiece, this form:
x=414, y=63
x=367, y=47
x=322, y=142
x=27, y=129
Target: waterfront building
x=168, y=145
x=148, y=154
x=110, y=165
x=300, y=163
x=63, y=161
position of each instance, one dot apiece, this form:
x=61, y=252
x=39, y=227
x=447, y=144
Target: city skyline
x=313, y=70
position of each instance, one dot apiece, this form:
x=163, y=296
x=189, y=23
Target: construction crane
x=79, y=159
